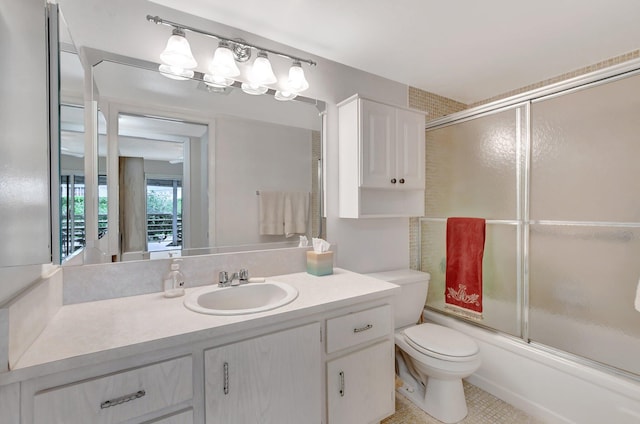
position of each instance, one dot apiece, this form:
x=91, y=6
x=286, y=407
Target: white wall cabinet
x=269, y=379
x=381, y=160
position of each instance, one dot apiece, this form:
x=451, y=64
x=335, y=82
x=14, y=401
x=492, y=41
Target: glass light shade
x=223, y=63
x=261, y=71
x=254, y=89
x=297, y=82
x=284, y=96
x=175, y=72
x=217, y=81
x=178, y=52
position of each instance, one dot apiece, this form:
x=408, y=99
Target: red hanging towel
x=465, y=248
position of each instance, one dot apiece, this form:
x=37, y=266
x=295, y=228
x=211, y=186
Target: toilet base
x=442, y=399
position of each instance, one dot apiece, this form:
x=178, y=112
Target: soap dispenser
x=174, y=280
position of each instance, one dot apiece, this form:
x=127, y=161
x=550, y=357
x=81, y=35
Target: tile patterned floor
x=483, y=409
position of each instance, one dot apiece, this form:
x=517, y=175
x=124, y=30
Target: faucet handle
x=223, y=278
x=243, y=275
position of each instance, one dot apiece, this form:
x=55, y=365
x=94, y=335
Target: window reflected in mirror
x=72, y=222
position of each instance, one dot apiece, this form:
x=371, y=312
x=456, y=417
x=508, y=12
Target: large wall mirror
x=178, y=167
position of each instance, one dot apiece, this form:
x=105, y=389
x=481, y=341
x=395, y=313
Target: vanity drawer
x=358, y=327
x=117, y=397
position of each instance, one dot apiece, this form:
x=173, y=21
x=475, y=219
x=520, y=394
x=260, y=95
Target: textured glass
x=471, y=168
x=499, y=273
x=582, y=288
x=585, y=154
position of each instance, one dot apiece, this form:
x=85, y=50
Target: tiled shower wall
x=438, y=106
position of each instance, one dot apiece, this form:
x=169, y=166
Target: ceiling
x=467, y=50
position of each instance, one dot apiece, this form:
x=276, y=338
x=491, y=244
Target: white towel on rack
x=296, y=213
x=637, y=302
x=271, y=212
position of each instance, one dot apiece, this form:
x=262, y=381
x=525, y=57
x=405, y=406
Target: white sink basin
x=239, y=300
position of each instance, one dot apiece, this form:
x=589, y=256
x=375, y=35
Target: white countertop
x=91, y=332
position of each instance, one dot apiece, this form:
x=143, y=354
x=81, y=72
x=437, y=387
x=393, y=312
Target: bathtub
x=546, y=385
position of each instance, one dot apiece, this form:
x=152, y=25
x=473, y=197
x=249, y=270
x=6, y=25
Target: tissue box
x=320, y=263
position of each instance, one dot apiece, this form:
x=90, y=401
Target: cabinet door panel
x=410, y=146
x=360, y=386
x=269, y=379
x=378, y=149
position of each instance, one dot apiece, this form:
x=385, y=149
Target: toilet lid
x=441, y=340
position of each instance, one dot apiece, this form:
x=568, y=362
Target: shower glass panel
x=582, y=285
x=585, y=150
x=585, y=215
x=472, y=170
x=499, y=274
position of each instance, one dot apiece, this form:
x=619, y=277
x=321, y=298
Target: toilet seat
x=441, y=342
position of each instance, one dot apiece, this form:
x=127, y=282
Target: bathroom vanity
x=326, y=357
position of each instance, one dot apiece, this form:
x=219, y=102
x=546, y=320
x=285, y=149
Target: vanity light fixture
x=178, y=63
x=176, y=72
x=261, y=71
x=297, y=82
x=215, y=81
x=284, y=96
x=177, y=53
x=223, y=64
x=253, y=89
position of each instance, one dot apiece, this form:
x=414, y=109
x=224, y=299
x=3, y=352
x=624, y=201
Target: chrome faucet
x=242, y=277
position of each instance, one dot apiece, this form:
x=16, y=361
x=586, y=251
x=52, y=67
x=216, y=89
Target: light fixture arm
x=158, y=20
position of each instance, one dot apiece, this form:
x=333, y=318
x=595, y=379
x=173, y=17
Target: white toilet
x=433, y=359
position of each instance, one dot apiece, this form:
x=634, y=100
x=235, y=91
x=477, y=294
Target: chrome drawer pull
x=361, y=329
x=225, y=387
x=341, y=383
x=122, y=399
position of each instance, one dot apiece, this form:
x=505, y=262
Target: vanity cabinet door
x=360, y=386
x=269, y=379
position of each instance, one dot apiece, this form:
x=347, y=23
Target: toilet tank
x=409, y=301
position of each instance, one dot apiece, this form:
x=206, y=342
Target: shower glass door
x=474, y=170
x=584, y=252
x=562, y=204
